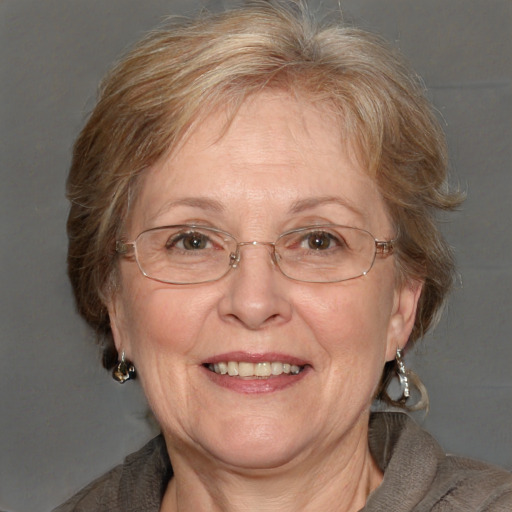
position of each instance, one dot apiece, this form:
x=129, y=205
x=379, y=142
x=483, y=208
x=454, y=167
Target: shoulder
x=420, y=477
x=137, y=484
x=464, y=485
x=99, y=495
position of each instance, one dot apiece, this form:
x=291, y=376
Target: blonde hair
x=179, y=73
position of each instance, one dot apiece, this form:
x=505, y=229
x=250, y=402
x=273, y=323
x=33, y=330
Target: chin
x=256, y=445
x=256, y=455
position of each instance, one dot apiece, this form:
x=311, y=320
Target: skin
x=303, y=447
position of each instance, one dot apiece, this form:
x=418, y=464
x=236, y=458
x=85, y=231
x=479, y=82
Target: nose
x=256, y=293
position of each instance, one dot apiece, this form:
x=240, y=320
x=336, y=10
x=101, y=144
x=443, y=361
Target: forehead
x=275, y=151
x=271, y=119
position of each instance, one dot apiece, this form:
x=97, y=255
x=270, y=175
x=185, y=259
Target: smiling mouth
x=249, y=370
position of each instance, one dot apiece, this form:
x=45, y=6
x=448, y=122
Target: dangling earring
x=403, y=377
x=123, y=371
x=407, y=379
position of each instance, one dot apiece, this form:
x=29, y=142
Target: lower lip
x=253, y=386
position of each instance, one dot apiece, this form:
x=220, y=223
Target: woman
x=252, y=234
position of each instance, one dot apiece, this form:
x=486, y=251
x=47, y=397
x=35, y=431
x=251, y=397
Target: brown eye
x=189, y=241
x=321, y=240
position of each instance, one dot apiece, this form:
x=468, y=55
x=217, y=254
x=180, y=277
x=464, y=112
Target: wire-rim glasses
x=194, y=254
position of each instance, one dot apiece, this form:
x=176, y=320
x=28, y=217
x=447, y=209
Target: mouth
x=254, y=370
x=256, y=374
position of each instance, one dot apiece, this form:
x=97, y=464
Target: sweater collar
x=409, y=458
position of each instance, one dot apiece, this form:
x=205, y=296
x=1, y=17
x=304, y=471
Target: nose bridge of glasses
x=237, y=256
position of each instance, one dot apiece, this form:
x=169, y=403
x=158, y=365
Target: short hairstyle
x=189, y=67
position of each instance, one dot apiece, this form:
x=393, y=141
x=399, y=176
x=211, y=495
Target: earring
x=123, y=371
x=403, y=377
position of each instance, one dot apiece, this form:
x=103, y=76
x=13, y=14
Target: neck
x=334, y=479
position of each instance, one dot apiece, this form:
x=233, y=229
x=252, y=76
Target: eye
x=191, y=241
x=320, y=241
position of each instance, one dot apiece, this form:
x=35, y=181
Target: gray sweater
x=418, y=477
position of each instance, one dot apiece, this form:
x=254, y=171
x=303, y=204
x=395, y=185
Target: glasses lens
x=323, y=254
x=184, y=254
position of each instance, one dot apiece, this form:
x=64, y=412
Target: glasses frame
x=383, y=249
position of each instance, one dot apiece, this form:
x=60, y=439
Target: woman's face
x=280, y=165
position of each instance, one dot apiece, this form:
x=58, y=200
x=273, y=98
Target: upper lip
x=252, y=357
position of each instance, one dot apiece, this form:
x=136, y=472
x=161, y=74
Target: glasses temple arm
x=384, y=247
x=124, y=247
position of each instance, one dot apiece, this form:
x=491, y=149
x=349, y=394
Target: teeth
x=232, y=368
x=246, y=369
x=276, y=368
x=261, y=370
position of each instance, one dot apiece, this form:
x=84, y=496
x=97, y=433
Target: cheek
x=160, y=320
x=162, y=328
x=350, y=330
x=350, y=321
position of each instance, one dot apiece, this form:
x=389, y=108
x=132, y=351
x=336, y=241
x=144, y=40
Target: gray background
x=63, y=420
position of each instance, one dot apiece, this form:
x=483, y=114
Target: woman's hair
x=185, y=70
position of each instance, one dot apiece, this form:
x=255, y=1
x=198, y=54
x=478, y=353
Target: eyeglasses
x=191, y=254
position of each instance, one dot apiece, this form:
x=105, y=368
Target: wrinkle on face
x=280, y=165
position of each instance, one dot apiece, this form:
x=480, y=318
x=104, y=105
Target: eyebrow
x=312, y=202
x=299, y=206
x=195, y=202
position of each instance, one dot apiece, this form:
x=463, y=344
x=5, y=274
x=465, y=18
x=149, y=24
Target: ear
x=403, y=316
